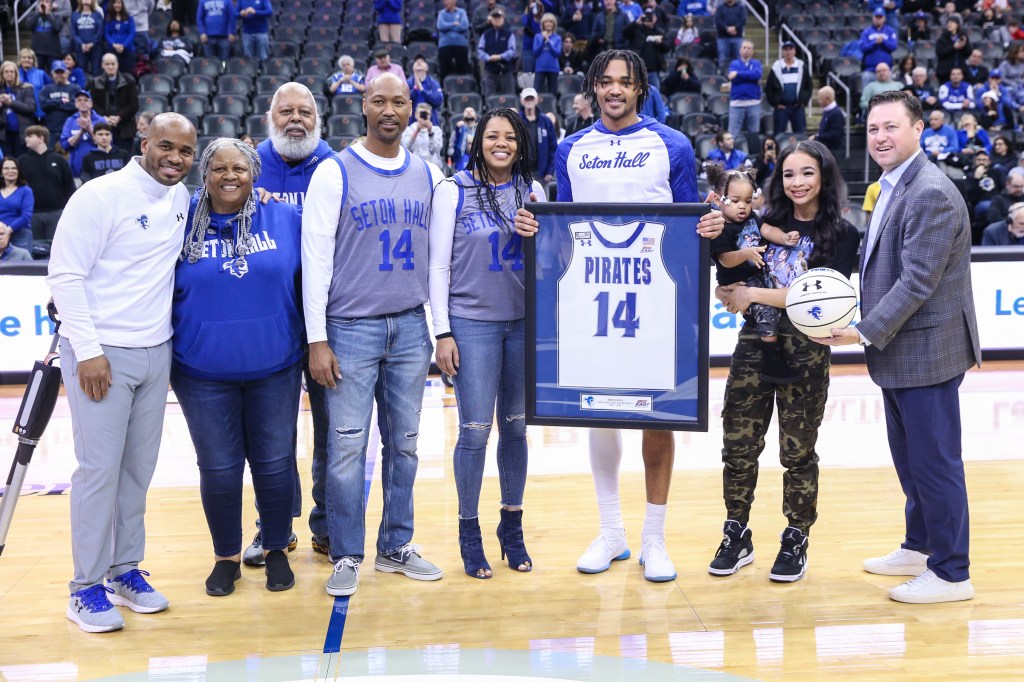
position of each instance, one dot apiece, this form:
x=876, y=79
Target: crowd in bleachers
x=219, y=62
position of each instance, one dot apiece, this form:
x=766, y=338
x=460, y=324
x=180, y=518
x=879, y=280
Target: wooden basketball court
x=553, y=623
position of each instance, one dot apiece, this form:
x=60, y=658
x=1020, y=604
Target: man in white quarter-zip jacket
x=111, y=274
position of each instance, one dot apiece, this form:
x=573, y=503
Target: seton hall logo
x=815, y=312
x=143, y=221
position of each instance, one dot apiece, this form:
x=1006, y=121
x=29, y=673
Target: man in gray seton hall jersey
x=292, y=151
x=364, y=266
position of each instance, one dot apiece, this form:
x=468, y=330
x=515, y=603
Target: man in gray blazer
x=920, y=335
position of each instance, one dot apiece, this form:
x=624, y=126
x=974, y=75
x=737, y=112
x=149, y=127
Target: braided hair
x=486, y=194
x=635, y=66
x=193, y=249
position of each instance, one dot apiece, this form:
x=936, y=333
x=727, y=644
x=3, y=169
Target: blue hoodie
x=235, y=321
x=259, y=22
x=120, y=33
x=217, y=18
x=747, y=83
x=289, y=182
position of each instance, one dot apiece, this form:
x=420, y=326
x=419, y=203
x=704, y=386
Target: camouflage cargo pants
x=748, y=407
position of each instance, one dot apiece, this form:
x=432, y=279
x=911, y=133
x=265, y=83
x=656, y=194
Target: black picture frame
x=560, y=354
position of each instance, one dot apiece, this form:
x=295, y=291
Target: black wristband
x=446, y=335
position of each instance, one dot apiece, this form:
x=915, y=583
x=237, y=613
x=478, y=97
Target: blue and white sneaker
x=131, y=589
x=658, y=567
x=605, y=549
x=92, y=611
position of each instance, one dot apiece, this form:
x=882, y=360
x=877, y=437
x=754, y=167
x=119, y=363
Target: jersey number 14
x=625, y=317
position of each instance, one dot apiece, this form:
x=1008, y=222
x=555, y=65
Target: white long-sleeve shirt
x=111, y=269
x=442, y=239
x=319, y=232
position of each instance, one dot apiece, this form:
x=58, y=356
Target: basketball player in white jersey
x=624, y=157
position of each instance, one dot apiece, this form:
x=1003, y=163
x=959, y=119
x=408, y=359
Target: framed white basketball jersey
x=617, y=309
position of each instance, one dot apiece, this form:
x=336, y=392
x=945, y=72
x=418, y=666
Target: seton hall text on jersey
x=620, y=160
x=621, y=270
x=384, y=212
x=260, y=242
x=484, y=220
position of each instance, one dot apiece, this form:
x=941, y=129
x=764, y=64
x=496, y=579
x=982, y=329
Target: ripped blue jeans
x=396, y=349
x=492, y=369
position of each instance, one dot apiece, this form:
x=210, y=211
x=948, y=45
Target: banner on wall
x=25, y=329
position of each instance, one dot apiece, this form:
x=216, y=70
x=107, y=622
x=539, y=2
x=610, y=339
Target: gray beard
x=294, y=150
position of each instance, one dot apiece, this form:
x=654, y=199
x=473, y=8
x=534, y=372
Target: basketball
x=819, y=300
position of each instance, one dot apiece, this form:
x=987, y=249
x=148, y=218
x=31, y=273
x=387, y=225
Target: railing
x=32, y=4
x=784, y=29
x=832, y=77
x=763, y=20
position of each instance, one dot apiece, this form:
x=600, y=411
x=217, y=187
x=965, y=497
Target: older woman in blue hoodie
x=238, y=356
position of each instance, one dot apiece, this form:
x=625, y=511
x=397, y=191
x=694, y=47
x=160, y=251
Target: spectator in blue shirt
x=76, y=76
x=452, y=40
x=16, y=204
x=496, y=50
x=547, y=46
x=730, y=19
x=389, y=20
x=217, y=20
x=423, y=88
x=609, y=29
x=697, y=8
x=725, y=152
x=877, y=43
x=76, y=138
x=892, y=11
x=29, y=72
x=346, y=80
x=745, y=92
x=119, y=29
x=939, y=140
x=543, y=136
x=87, y=36
x=255, y=15
x=578, y=18
x=956, y=94
x=654, y=106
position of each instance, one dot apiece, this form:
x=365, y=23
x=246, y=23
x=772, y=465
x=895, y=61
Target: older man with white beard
x=292, y=151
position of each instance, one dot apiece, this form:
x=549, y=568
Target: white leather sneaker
x=929, y=588
x=900, y=562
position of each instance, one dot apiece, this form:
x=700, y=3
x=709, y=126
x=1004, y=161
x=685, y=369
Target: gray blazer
x=917, y=307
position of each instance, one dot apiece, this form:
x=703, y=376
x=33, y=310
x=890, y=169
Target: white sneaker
x=658, y=567
x=602, y=552
x=929, y=588
x=900, y=562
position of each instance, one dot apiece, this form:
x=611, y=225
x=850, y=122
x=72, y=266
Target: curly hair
x=720, y=179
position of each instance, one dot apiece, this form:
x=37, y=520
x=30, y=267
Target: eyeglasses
x=469, y=119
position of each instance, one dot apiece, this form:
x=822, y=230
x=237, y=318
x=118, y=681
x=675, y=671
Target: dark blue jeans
x=492, y=371
x=234, y=422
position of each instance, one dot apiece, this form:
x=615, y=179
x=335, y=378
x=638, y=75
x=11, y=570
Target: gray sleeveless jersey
x=380, y=252
x=487, y=276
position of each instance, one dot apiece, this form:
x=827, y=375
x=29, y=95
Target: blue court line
x=339, y=611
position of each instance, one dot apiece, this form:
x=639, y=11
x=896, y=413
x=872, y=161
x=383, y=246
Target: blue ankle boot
x=471, y=546
x=510, y=538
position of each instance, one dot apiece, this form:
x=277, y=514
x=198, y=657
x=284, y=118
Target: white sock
x=611, y=515
x=605, y=456
x=654, y=523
